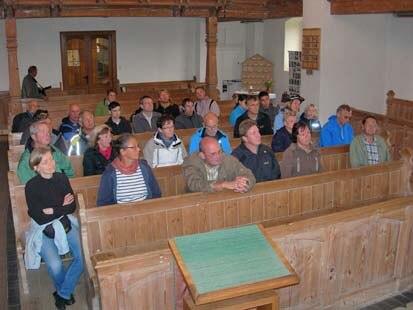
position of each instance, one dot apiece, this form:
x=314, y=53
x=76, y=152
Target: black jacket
x=281, y=140
x=94, y=162
x=264, y=165
x=22, y=121
x=173, y=110
x=118, y=129
x=263, y=123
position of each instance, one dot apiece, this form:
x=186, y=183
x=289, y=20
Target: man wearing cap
x=293, y=104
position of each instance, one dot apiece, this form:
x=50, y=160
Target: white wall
x=148, y=49
x=274, y=32
x=231, y=51
x=399, y=57
x=4, y=68
x=362, y=56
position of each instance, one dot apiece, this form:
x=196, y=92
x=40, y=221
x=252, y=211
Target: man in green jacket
x=368, y=148
x=40, y=134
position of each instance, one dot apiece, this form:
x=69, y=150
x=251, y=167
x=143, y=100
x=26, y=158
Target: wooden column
x=211, y=78
x=11, y=36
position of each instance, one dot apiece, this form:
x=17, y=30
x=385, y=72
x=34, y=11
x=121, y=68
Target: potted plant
x=268, y=85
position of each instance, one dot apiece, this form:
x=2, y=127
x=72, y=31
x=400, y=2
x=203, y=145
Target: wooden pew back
x=344, y=260
x=399, y=109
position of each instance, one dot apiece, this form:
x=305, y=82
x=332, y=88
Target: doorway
x=88, y=61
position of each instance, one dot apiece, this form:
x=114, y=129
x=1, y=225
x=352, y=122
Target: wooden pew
x=129, y=240
x=169, y=178
x=399, y=109
x=344, y=260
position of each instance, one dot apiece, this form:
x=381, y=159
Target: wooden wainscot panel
x=350, y=257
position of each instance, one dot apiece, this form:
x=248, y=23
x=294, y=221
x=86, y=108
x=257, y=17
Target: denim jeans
x=64, y=280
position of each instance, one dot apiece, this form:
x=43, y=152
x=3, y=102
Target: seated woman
x=100, y=152
x=301, y=158
x=310, y=117
x=239, y=109
x=165, y=148
x=127, y=178
x=53, y=230
x=282, y=138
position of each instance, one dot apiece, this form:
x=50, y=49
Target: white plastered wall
x=148, y=48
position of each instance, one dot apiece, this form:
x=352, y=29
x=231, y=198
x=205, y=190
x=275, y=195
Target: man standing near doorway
x=30, y=87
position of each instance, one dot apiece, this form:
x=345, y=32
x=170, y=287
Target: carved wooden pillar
x=11, y=36
x=211, y=78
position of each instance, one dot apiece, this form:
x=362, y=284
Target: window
x=292, y=38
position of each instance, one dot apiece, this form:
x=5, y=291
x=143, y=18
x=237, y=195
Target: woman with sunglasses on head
x=53, y=230
x=127, y=178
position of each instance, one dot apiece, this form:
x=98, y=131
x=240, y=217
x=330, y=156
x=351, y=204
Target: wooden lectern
x=237, y=268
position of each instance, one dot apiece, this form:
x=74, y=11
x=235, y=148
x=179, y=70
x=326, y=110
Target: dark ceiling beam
x=342, y=7
x=224, y=9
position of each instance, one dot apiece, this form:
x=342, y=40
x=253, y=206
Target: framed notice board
x=228, y=263
x=310, y=54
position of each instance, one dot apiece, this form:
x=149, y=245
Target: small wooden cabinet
x=310, y=54
x=256, y=70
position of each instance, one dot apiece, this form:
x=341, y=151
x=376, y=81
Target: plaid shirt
x=372, y=151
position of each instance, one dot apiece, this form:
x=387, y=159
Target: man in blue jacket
x=210, y=129
x=337, y=131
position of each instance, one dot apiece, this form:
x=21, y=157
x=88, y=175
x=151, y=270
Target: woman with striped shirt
x=127, y=178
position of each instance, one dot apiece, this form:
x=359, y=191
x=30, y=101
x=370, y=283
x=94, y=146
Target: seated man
x=165, y=148
x=70, y=124
x=40, y=135
x=165, y=106
x=102, y=107
x=23, y=120
x=79, y=143
x=55, y=136
x=30, y=87
x=146, y=119
x=368, y=148
x=118, y=124
x=254, y=155
x=204, y=104
x=210, y=129
x=188, y=119
x=211, y=170
x=282, y=138
x=266, y=106
x=262, y=120
x=337, y=131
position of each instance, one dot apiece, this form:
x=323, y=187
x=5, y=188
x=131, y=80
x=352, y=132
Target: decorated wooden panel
x=311, y=48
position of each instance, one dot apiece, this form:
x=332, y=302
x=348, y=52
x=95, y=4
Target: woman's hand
x=48, y=211
x=69, y=198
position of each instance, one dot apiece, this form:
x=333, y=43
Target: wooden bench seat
x=344, y=260
x=124, y=231
x=169, y=178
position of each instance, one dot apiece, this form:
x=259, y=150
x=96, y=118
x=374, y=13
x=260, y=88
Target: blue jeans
x=64, y=281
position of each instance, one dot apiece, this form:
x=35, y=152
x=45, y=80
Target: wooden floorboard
x=4, y=206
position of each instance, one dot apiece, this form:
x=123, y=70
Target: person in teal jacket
x=40, y=134
x=337, y=131
x=368, y=148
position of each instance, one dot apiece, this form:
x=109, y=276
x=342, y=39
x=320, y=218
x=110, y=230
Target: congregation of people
x=208, y=162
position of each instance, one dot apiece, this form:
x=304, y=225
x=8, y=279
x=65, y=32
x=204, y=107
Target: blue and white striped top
x=130, y=187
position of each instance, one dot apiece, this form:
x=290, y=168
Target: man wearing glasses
x=210, y=129
x=337, y=131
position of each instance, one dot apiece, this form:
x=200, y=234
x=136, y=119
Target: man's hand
x=239, y=185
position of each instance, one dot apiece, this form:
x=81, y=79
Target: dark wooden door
x=88, y=61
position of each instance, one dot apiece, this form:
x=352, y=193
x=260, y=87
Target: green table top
x=230, y=257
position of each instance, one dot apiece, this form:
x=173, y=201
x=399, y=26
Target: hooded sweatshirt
x=333, y=134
